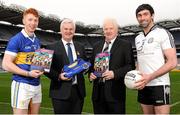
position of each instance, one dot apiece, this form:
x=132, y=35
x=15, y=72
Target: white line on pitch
x=47, y=108
x=40, y=107
x=174, y=104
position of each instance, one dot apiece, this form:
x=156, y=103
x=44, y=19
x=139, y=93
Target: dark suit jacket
x=60, y=89
x=121, y=61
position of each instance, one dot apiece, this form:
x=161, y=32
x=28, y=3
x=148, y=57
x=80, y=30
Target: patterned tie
x=106, y=46
x=70, y=56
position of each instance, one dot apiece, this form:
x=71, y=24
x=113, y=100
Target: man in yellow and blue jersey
x=26, y=93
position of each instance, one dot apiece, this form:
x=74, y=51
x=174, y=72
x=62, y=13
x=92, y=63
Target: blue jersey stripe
x=16, y=92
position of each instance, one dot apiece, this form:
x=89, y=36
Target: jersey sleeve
x=13, y=46
x=167, y=40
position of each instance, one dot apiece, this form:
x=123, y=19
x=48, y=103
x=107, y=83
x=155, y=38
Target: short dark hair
x=145, y=7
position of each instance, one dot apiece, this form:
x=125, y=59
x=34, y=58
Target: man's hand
x=108, y=75
x=35, y=73
x=62, y=77
x=146, y=78
x=92, y=77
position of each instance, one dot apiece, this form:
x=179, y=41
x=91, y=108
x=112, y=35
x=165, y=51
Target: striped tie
x=102, y=80
x=107, y=46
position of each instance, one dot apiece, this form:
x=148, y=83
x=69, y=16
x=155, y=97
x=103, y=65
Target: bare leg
x=34, y=108
x=147, y=109
x=20, y=111
x=163, y=109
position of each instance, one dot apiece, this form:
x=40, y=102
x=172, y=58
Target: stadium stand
x=5, y=33
x=48, y=30
x=47, y=37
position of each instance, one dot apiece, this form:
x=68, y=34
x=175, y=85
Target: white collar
x=27, y=36
x=112, y=41
x=65, y=42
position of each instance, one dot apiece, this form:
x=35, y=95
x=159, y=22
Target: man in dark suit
x=67, y=94
x=109, y=91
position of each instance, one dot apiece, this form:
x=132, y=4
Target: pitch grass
x=132, y=107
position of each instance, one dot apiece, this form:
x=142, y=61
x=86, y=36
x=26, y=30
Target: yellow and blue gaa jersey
x=23, y=48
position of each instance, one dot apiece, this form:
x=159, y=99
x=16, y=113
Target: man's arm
x=8, y=65
x=171, y=62
x=129, y=62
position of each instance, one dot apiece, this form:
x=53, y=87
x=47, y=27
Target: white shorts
x=22, y=93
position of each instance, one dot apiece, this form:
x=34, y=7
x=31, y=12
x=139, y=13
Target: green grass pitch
x=132, y=107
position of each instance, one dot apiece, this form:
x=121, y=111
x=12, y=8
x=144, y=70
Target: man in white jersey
x=156, y=56
x=26, y=88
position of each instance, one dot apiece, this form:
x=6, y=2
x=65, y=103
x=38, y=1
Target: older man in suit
x=67, y=94
x=109, y=91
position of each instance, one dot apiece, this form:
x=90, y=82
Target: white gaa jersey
x=150, y=55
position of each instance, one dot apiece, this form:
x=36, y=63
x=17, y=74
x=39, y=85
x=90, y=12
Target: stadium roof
x=13, y=15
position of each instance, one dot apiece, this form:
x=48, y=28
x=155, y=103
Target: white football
x=131, y=77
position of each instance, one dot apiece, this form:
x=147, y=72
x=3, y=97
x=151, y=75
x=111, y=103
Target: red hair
x=31, y=11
